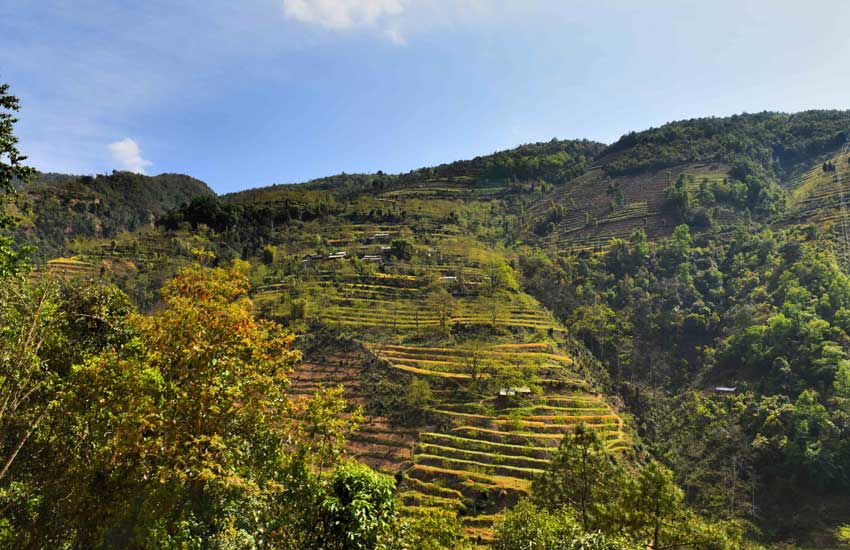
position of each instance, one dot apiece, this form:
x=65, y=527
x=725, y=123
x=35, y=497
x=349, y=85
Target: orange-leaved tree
x=186, y=435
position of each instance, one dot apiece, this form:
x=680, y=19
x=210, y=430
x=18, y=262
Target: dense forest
x=777, y=142
x=761, y=311
x=565, y=345
x=55, y=208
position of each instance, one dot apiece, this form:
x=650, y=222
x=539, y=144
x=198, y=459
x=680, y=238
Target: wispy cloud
x=89, y=83
x=128, y=155
x=93, y=82
x=394, y=20
x=341, y=14
x=395, y=36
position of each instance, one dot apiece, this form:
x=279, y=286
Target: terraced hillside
x=139, y=262
x=407, y=283
x=817, y=192
x=623, y=187
x=69, y=267
x=503, y=386
x=377, y=442
x=405, y=290
x=599, y=207
x=410, y=279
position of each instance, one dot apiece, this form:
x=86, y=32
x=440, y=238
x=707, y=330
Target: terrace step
x=439, y=461
x=430, y=488
x=478, y=456
x=538, y=424
x=415, y=498
x=542, y=453
x=471, y=484
x=523, y=438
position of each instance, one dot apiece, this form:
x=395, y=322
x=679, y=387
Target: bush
x=401, y=249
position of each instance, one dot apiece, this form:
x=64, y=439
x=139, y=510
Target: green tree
x=652, y=503
x=401, y=249
x=678, y=197
x=92, y=316
x=429, y=529
x=500, y=276
x=581, y=477
x=12, y=261
x=842, y=533
x=676, y=250
x=596, y=324
x=497, y=307
x=28, y=319
x=268, y=255
x=643, y=505
x=526, y=527
x=474, y=359
x=841, y=383
x=185, y=436
x=358, y=510
x=46, y=325
x=416, y=400
x=443, y=304
x=639, y=247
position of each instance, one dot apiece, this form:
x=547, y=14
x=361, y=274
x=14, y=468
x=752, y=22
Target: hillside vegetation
x=734, y=169
x=441, y=328
x=55, y=209
x=524, y=346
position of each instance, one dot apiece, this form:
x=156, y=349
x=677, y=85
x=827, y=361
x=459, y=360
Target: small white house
x=514, y=391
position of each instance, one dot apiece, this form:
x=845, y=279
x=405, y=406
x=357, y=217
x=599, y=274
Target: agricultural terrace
x=377, y=442
x=407, y=287
x=594, y=208
x=445, y=310
x=816, y=193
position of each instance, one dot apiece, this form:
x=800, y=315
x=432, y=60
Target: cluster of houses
x=381, y=237
x=341, y=255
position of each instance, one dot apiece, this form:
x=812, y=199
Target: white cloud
x=395, y=36
x=341, y=14
x=128, y=154
x=394, y=20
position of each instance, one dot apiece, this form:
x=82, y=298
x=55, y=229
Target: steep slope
x=401, y=292
x=498, y=380
x=732, y=164
x=816, y=192
x=597, y=207
x=750, y=298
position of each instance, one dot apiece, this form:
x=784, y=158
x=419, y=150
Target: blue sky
x=252, y=92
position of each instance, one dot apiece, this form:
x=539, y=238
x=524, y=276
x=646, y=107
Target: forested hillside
x=564, y=345
x=733, y=276
x=54, y=209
